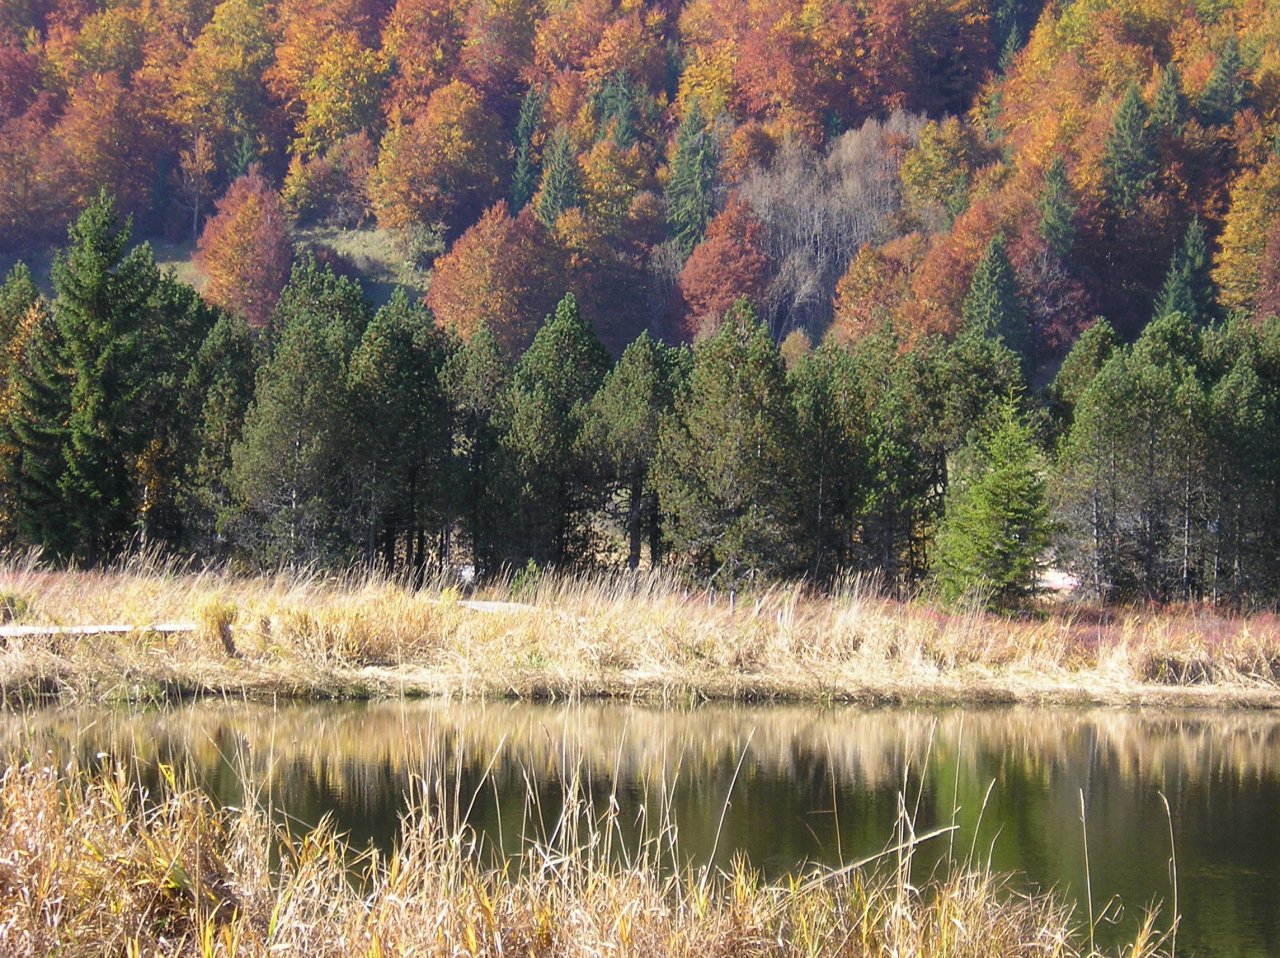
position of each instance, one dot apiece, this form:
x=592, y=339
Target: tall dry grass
x=91, y=866
x=314, y=634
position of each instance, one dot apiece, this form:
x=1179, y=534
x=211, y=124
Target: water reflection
x=802, y=784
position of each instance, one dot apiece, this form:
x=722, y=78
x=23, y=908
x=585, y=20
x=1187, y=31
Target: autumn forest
x=942, y=291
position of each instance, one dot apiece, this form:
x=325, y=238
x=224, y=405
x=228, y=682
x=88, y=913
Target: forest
x=939, y=291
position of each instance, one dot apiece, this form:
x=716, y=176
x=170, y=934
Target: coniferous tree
x=216, y=396
x=1128, y=155
x=727, y=458
x=18, y=294
x=1188, y=286
x=1080, y=367
x=689, y=197
x=550, y=486
x=1057, y=210
x=561, y=186
x=620, y=433
x=524, y=181
x=402, y=449
x=34, y=409
x=994, y=305
x=291, y=470
x=1169, y=110
x=102, y=307
x=475, y=379
x=995, y=528
x=1224, y=92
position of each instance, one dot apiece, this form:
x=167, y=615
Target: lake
x=786, y=786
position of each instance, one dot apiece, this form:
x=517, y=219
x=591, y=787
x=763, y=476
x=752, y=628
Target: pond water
x=786, y=786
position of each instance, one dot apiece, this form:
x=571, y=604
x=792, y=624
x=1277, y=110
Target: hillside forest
x=936, y=290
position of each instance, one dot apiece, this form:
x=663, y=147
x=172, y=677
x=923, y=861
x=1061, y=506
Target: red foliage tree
x=246, y=251
x=728, y=264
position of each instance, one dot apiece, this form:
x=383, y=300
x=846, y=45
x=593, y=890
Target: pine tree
x=18, y=294
x=561, y=186
x=551, y=488
x=1128, y=155
x=1057, y=210
x=1081, y=366
x=614, y=105
x=689, y=196
x=291, y=469
x=620, y=433
x=402, y=451
x=995, y=528
x=1188, y=286
x=475, y=379
x=1169, y=110
x=102, y=307
x=1224, y=93
x=994, y=306
x=727, y=459
x=524, y=181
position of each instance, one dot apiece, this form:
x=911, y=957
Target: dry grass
x=90, y=866
x=307, y=634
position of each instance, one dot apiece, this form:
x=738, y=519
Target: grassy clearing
x=88, y=866
x=312, y=635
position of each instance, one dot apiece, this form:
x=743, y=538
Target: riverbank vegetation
x=94, y=866
x=645, y=636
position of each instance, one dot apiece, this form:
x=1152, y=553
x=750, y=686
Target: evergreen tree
x=1128, y=155
x=994, y=306
x=561, y=186
x=1224, y=93
x=689, y=196
x=1169, y=110
x=551, y=488
x=104, y=312
x=1057, y=210
x=995, y=528
x=524, y=181
x=34, y=409
x=1188, y=286
x=18, y=294
x=402, y=451
x=291, y=470
x=614, y=105
x=216, y=395
x=475, y=379
x=726, y=459
x=831, y=418
x=1081, y=366
x=621, y=434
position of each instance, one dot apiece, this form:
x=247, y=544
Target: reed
x=312, y=634
x=90, y=865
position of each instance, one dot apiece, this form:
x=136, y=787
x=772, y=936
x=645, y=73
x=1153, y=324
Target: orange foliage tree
x=729, y=264
x=246, y=251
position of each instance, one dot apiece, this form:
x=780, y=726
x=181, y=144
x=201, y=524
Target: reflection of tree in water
x=814, y=785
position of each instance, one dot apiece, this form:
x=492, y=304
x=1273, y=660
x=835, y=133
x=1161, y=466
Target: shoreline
x=307, y=637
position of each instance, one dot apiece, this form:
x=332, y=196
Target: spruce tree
x=1188, y=286
x=614, y=105
x=524, y=182
x=689, y=196
x=995, y=527
x=1169, y=110
x=103, y=310
x=561, y=186
x=1224, y=92
x=620, y=433
x=34, y=409
x=725, y=471
x=1128, y=154
x=994, y=306
x=1057, y=210
x=18, y=294
x=550, y=485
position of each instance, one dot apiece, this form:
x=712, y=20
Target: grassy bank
x=321, y=636
x=90, y=868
